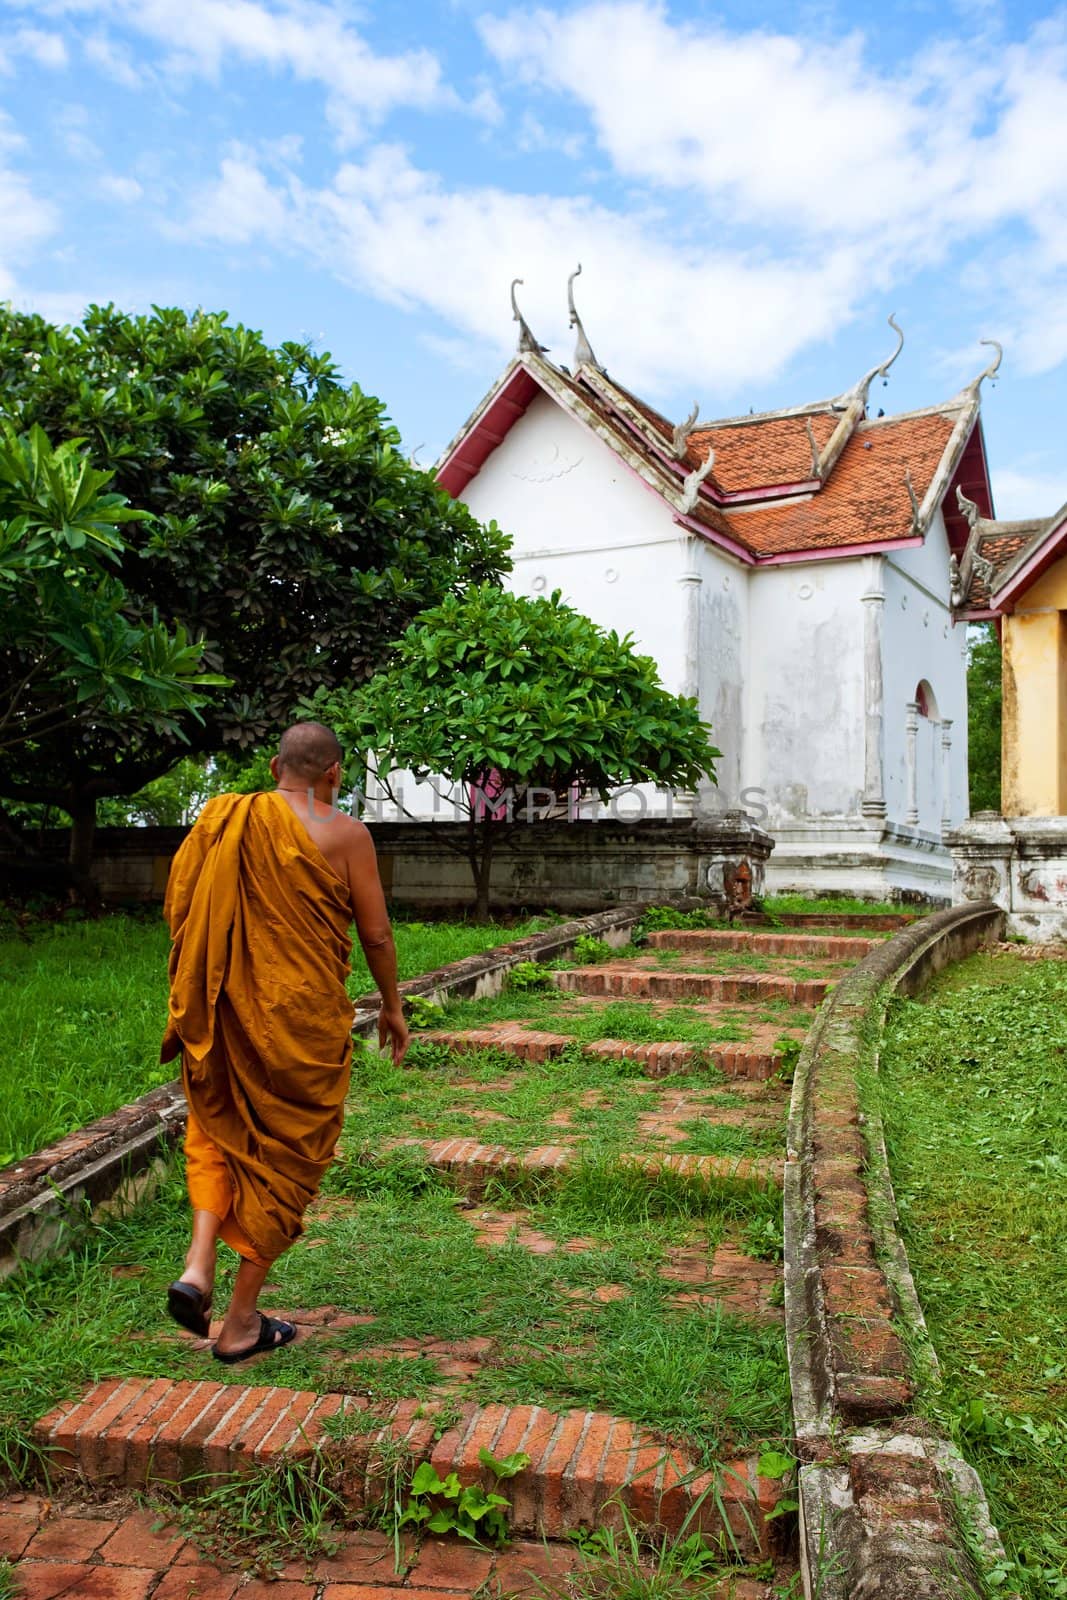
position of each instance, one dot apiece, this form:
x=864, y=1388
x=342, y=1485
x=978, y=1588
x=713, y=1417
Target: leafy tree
x=286, y=526
x=71, y=659
x=984, y=717
x=503, y=696
x=178, y=796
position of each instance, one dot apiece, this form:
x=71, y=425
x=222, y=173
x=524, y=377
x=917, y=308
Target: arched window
x=926, y=702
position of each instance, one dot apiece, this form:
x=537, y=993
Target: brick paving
x=137, y=1431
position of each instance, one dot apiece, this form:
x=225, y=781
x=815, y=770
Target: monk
x=260, y=901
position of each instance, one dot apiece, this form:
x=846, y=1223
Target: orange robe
x=259, y=1011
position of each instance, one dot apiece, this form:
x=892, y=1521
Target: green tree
x=984, y=717
x=504, y=696
x=72, y=660
x=286, y=526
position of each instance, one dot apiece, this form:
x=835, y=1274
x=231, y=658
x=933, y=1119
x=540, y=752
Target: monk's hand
x=393, y=1030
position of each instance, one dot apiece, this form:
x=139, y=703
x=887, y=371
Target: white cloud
x=115, y=61
x=240, y=206
x=47, y=49
x=1019, y=492
x=124, y=191
x=25, y=219
x=312, y=40
x=400, y=234
x=805, y=140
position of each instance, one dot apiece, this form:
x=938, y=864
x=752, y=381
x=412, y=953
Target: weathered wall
x=804, y=730
x=920, y=643
x=1034, y=729
x=580, y=866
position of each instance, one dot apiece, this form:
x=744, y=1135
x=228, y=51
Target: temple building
x=1015, y=574
x=791, y=569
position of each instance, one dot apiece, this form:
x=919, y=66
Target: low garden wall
x=887, y=1507
x=46, y=1199
x=578, y=867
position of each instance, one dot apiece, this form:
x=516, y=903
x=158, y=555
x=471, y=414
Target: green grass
x=407, y=1255
x=83, y=1005
x=633, y=1020
x=974, y=1091
x=830, y=905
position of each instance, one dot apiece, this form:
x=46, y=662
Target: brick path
x=129, y=1433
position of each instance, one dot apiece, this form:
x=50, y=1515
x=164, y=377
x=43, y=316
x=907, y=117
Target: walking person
x=259, y=903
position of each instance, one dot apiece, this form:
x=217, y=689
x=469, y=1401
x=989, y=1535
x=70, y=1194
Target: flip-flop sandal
x=269, y=1329
x=189, y=1306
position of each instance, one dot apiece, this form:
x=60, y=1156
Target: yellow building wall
x=1034, y=738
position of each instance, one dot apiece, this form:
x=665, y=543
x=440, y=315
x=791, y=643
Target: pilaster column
x=685, y=802
x=911, y=730
x=873, y=690
x=946, y=774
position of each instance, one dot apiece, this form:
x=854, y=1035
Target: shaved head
x=306, y=750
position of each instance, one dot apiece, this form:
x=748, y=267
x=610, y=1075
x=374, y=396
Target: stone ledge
x=855, y=1332
x=586, y=1467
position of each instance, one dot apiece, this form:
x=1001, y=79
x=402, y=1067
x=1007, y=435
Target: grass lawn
x=83, y=1005
x=974, y=1091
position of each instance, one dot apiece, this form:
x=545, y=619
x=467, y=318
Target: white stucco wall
x=722, y=668
x=921, y=643
x=804, y=734
x=581, y=521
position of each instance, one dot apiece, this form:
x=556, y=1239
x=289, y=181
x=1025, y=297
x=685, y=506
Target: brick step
x=636, y=983
x=585, y=1466
x=657, y=1059
x=472, y=1166
x=764, y=944
x=528, y=1044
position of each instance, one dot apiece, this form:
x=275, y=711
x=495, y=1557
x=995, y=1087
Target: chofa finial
x=583, y=350
x=987, y=372
x=682, y=430
x=528, y=344
x=858, y=392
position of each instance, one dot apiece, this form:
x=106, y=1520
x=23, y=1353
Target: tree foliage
x=286, y=527
x=502, y=695
x=71, y=659
x=984, y=717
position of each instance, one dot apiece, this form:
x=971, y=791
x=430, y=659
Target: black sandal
x=269, y=1328
x=189, y=1306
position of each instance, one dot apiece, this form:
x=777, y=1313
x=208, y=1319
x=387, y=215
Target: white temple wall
x=582, y=522
x=723, y=651
x=804, y=712
x=925, y=756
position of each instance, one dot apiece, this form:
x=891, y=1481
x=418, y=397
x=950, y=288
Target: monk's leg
x=201, y=1255
x=241, y=1329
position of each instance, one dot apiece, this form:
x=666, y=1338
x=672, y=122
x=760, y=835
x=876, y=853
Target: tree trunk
x=82, y=834
x=482, y=867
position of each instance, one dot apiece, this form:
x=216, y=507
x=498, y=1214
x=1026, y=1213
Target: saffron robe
x=258, y=1006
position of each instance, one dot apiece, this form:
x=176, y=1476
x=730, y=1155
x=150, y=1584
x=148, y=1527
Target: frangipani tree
x=503, y=696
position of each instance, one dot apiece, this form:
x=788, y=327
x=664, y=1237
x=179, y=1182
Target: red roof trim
x=488, y=430
x=1036, y=564
x=972, y=476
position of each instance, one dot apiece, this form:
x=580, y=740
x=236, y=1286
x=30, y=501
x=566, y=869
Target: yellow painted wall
x=1034, y=739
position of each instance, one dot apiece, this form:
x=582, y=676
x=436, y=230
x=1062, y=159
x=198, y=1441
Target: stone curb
x=880, y=1492
x=47, y=1198
x=586, y=1467
x=847, y=948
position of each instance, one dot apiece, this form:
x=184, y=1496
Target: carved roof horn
x=528, y=343
x=968, y=507
x=991, y=371
x=858, y=392
x=583, y=350
x=682, y=430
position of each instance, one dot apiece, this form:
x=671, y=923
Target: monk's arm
x=376, y=934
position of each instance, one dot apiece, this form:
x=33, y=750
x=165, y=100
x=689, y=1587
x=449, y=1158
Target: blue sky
x=750, y=194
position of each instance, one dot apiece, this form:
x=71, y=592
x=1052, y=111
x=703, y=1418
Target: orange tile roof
x=764, y=452
x=1000, y=549
x=865, y=500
